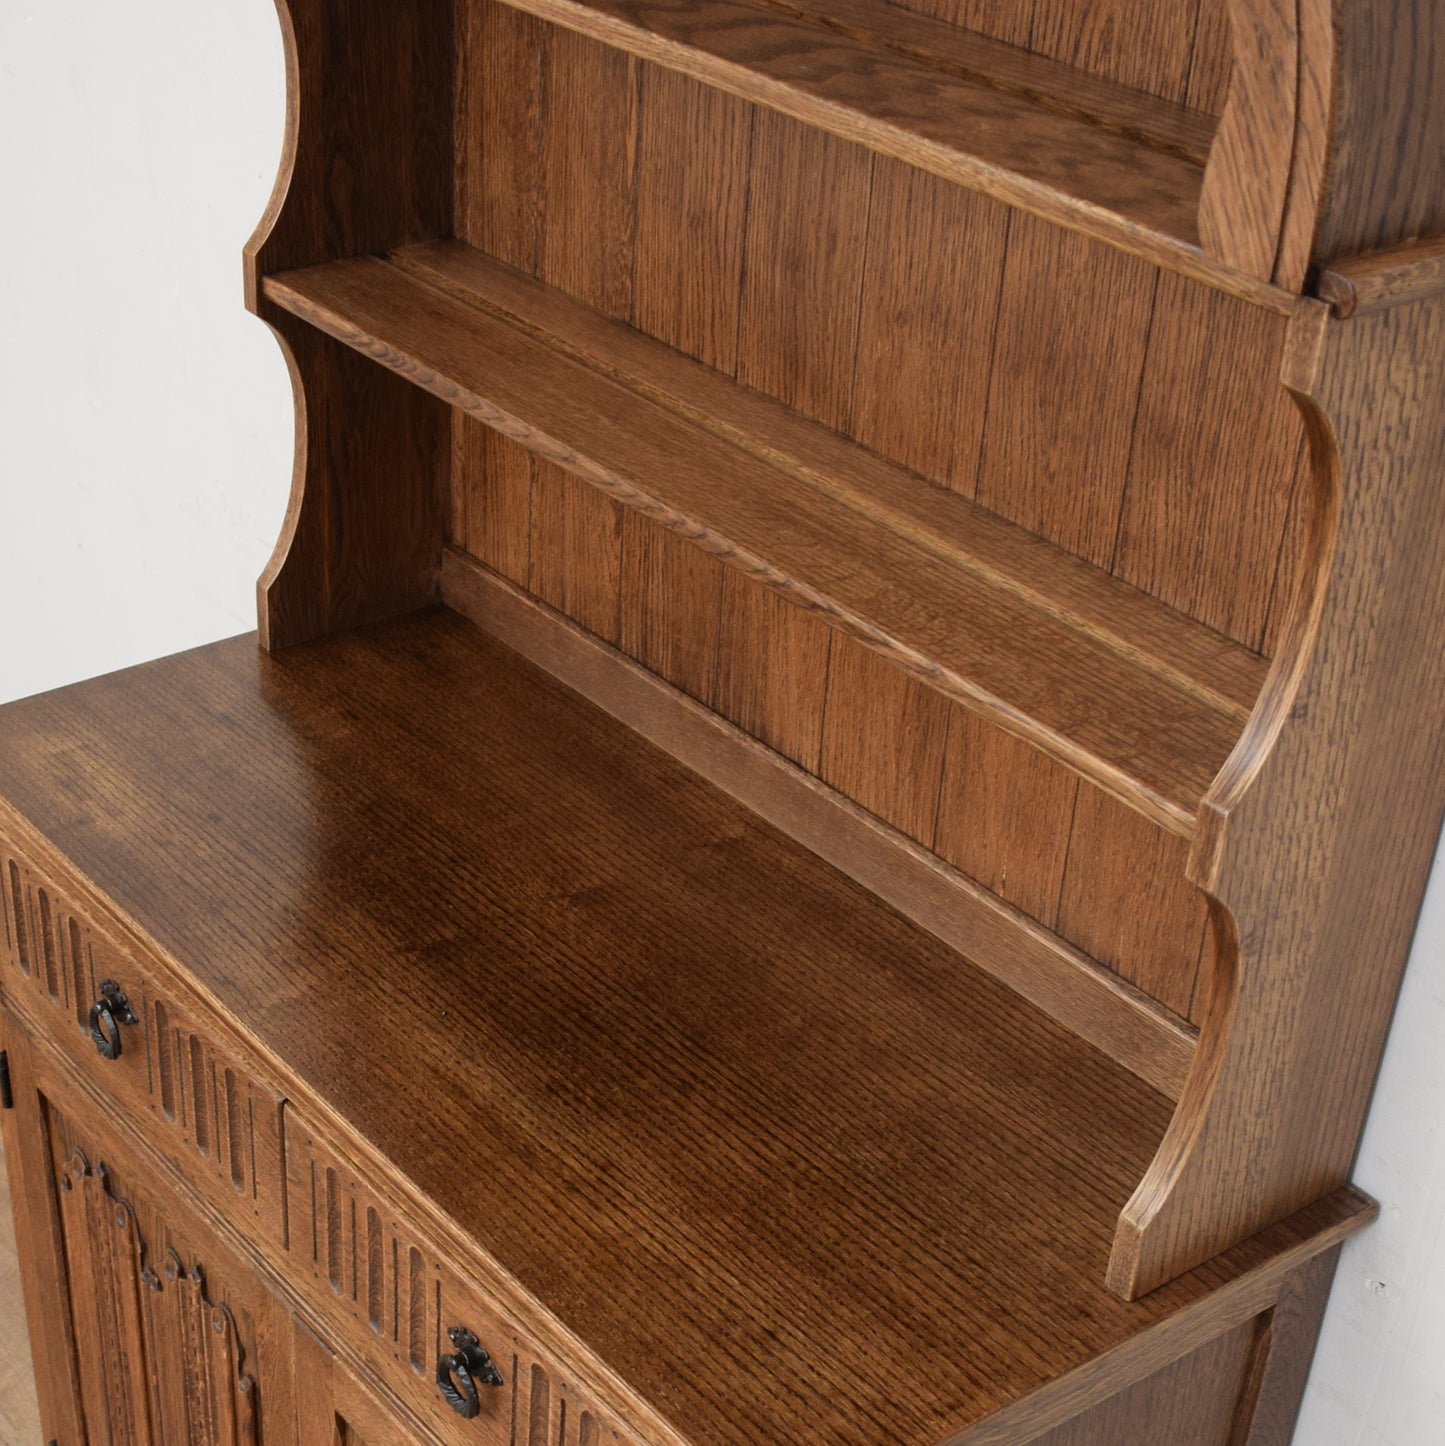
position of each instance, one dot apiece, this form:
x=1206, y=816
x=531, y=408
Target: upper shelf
x=1112, y=683
x=1116, y=164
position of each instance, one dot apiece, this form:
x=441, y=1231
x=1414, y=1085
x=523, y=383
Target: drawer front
x=385, y=1301
x=191, y=1098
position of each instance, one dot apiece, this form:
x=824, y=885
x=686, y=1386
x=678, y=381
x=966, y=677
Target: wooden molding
x=1097, y=1005
x=1313, y=936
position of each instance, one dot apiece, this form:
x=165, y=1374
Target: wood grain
x=50, y=1397
x=921, y=363
x=772, y=670
x=1383, y=176
x=989, y=42
x=1338, y=772
x=963, y=636
x=1189, y=1403
x=1004, y=815
x=1143, y=46
x=1246, y=183
x=491, y=497
x=694, y=170
x=588, y=163
x=500, y=106
x=1125, y=900
x=807, y=229
x=671, y=606
x=1183, y=455
x=967, y=536
x=366, y=519
x=1045, y=159
x=576, y=555
x=1284, y=1350
x=1089, y=1000
x=676, y=1082
x=1381, y=279
x=883, y=739
x=1061, y=414
x=367, y=159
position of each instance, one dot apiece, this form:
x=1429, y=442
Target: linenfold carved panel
x=160, y=1361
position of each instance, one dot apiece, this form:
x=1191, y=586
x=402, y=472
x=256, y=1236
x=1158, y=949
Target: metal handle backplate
x=460, y=1373
x=107, y=1015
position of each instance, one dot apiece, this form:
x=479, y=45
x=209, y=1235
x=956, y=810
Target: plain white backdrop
x=145, y=459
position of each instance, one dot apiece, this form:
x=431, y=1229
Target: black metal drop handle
x=107, y=1015
x=459, y=1375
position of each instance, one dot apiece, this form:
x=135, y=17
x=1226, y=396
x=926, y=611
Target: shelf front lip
x=1173, y=246
x=908, y=503
x=1175, y=811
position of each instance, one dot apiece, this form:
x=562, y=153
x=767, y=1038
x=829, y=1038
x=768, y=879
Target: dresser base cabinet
x=818, y=837
x=456, y=1040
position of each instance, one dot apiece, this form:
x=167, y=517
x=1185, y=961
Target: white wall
x=145, y=457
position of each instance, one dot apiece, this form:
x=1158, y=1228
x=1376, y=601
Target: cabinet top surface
x=788, y=1164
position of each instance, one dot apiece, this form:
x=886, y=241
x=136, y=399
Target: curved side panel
x=1369, y=164
x=1242, y=204
x=284, y=172
x=366, y=165
x=1343, y=767
x=365, y=525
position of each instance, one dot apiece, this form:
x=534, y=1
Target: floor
x=19, y=1416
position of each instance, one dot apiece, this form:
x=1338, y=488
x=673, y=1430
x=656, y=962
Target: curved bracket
x=1342, y=768
x=366, y=165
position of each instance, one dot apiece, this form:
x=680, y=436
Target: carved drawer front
x=129, y=1037
x=390, y=1305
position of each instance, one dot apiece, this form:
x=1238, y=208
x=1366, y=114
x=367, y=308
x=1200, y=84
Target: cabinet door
x=148, y=1330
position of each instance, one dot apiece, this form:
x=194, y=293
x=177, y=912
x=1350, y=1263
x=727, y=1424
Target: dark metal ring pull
x=107, y=1015
x=459, y=1375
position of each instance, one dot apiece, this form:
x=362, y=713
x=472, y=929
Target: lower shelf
x=792, y=1168
x=1110, y=682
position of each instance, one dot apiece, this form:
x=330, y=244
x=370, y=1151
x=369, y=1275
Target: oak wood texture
x=1380, y=175
x=19, y=1410
x=1343, y=766
x=222, y=1130
x=914, y=98
x=380, y=1293
x=1246, y=183
x=928, y=384
x=951, y=626
x=1382, y=279
x=906, y=417
x=514, y=883
x=1093, y=1002
x=1188, y=1403
x=36, y=1224
x=371, y=167
x=976, y=538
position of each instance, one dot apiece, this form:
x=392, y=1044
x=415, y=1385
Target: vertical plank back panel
x=588, y=211
x=1210, y=483
x=1003, y=358
x=803, y=272
x=1064, y=389
x=930, y=298
x=498, y=131
x=693, y=171
x=987, y=350
x=1179, y=51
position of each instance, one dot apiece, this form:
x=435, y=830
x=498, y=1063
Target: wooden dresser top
x=790, y=1166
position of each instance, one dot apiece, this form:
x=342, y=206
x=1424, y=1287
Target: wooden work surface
x=793, y=1168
